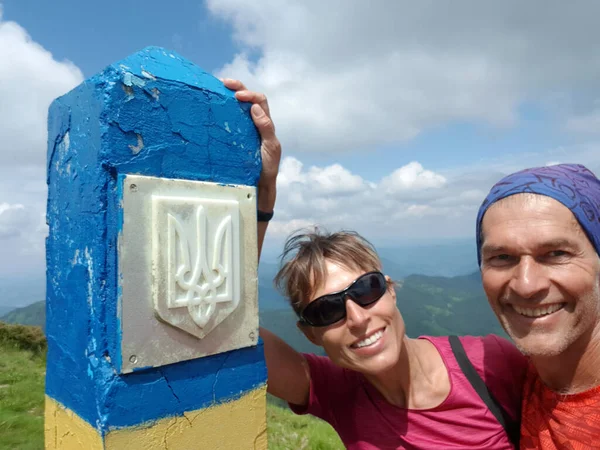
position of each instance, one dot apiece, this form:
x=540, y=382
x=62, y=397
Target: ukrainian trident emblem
x=197, y=260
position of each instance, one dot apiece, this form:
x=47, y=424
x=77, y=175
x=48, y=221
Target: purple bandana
x=571, y=184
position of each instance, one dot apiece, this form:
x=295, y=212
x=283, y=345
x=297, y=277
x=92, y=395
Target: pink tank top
x=366, y=421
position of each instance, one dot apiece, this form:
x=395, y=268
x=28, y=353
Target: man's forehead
x=528, y=205
x=525, y=198
x=497, y=244
x=538, y=213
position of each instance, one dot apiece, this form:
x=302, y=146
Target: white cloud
x=412, y=176
x=283, y=229
x=334, y=197
x=333, y=179
x=13, y=219
x=421, y=204
x=418, y=210
x=588, y=123
x=341, y=77
x=30, y=78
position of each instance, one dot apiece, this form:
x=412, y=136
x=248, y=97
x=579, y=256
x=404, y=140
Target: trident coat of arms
x=197, y=261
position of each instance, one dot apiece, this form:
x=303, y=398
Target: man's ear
x=309, y=332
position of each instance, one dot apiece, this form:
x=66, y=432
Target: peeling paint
x=135, y=149
x=129, y=92
x=148, y=75
x=131, y=80
x=75, y=259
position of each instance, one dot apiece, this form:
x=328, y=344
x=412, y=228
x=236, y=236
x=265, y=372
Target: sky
x=395, y=117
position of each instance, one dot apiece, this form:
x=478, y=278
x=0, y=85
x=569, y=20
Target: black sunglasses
x=331, y=308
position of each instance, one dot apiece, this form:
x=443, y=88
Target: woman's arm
x=289, y=377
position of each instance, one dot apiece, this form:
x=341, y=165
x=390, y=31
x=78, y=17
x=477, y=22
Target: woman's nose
x=356, y=315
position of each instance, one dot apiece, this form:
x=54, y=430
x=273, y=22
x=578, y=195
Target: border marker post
x=152, y=312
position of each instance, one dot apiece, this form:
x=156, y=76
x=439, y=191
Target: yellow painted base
x=239, y=424
x=65, y=430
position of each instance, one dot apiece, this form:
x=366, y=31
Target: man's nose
x=529, y=278
x=356, y=315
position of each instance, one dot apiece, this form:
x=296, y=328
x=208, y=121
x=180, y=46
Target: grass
x=22, y=369
x=21, y=398
x=288, y=431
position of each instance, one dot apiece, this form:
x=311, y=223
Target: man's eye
x=557, y=254
x=501, y=259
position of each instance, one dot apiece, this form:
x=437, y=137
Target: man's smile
x=539, y=310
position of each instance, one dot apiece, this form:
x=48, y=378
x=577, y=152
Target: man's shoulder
x=553, y=420
x=536, y=391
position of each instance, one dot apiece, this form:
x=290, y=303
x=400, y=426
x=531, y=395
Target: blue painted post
x=152, y=318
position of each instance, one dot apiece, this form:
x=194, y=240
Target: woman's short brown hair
x=303, y=268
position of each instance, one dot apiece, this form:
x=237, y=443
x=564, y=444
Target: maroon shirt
x=366, y=421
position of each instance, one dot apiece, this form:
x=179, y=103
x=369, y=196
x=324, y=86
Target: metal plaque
x=188, y=270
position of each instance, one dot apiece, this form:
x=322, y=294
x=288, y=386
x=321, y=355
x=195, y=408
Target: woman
x=378, y=388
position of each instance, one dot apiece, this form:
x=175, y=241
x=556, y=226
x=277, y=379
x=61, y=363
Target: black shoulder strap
x=510, y=426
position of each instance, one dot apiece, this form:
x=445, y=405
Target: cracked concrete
x=217, y=377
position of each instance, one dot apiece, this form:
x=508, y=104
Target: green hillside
x=22, y=369
x=441, y=306
x=34, y=314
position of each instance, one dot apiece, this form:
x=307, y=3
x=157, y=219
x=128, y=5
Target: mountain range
x=448, y=258
x=429, y=305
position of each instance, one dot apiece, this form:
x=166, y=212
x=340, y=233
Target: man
x=538, y=238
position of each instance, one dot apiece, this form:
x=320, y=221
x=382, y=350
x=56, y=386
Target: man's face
x=541, y=274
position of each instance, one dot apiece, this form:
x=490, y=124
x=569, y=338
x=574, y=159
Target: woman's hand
x=270, y=146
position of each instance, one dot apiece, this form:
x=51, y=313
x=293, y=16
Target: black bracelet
x=262, y=216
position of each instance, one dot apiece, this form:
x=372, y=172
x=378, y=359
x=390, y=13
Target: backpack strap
x=511, y=427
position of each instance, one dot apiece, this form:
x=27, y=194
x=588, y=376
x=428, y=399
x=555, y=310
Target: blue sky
x=93, y=34
x=395, y=117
